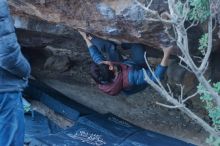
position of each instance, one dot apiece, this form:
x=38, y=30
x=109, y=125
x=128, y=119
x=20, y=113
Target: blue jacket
x=135, y=77
x=14, y=68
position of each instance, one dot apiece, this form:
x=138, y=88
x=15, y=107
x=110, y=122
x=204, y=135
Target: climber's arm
x=95, y=54
x=136, y=77
x=161, y=69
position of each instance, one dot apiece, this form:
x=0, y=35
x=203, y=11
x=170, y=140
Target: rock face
x=117, y=20
x=122, y=21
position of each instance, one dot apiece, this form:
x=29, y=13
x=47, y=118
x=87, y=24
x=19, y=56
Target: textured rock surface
x=118, y=20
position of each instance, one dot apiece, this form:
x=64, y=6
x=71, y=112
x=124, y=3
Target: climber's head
x=101, y=73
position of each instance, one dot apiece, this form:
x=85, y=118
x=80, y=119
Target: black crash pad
x=109, y=124
x=149, y=138
x=79, y=135
x=105, y=130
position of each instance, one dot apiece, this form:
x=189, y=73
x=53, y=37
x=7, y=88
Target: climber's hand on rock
x=167, y=50
x=87, y=39
x=166, y=54
x=83, y=34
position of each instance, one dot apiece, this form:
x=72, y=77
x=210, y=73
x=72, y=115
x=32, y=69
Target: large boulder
x=120, y=20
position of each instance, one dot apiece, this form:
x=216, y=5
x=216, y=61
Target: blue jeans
x=108, y=47
x=112, y=53
x=137, y=53
x=11, y=119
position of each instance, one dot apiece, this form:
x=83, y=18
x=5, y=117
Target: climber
x=14, y=73
x=113, y=73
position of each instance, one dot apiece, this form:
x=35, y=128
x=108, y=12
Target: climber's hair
x=101, y=73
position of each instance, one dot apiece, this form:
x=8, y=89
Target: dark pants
x=137, y=53
x=112, y=53
x=11, y=119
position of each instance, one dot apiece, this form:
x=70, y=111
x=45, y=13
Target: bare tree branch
x=194, y=23
x=154, y=13
x=157, y=80
x=198, y=57
x=214, y=27
x=170, y=91
x=169, y=35
x=168, y=106
x=209, y=49
x=189, y=97
x=184, y=66
x=146, y=8
x=186, y=11
x=149, y=4
x=181, y=93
